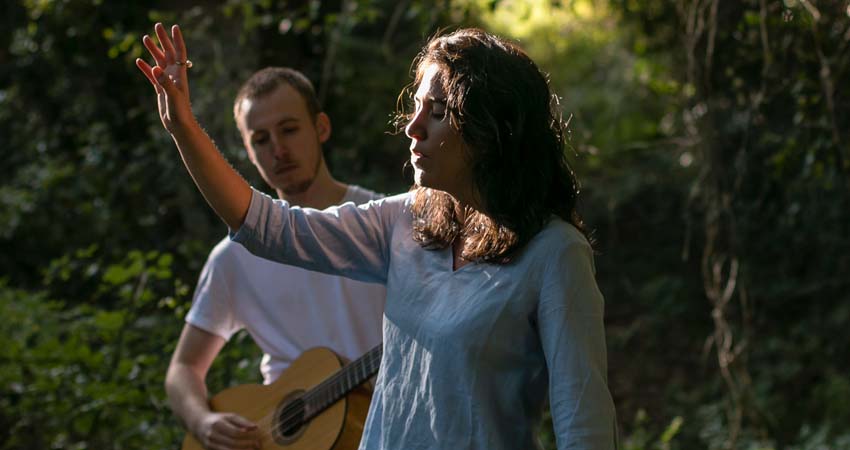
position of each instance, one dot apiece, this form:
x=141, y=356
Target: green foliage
x=701, y=136
x=644, y=439
x=101, y=225
x=763, y=119
x=87, y=371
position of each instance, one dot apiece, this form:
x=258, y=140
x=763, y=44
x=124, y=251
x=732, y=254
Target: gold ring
x=187, y=63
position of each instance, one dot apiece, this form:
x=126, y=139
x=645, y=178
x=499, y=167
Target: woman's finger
x=179, y=45
x=157, y=54
x=147, y=70
x=165, y=42
x=165, y=81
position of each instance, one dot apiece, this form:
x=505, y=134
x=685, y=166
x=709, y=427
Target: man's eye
x=260, y=141
x=289, y=130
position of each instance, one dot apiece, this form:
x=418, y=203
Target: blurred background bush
x=712, y=140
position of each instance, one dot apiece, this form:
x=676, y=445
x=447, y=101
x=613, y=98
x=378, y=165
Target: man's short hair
x=266, y=80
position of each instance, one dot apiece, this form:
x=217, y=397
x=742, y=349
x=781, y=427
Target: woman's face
x=437, y=151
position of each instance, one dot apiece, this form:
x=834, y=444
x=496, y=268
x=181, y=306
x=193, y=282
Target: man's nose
x=280, y=147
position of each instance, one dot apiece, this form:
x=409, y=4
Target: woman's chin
x=422, y=179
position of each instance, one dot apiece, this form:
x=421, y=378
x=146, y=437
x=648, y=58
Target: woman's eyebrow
x=430, y=98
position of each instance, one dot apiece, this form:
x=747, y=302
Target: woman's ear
x=323, y=126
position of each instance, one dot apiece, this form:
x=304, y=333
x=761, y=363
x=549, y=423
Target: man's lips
x=286, y=168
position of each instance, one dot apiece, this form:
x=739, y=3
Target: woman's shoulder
x=384, y=212
x=557, y=240
x=558, y=235
x=559, y=246
x=395, y=202
x=403, y=198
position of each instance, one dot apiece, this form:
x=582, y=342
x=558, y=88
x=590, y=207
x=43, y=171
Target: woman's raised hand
x=169, y=77
x=226, y=191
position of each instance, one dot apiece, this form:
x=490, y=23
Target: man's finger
x=235, y=436
x=233, y=430
x=241, y=422
x=222, y=441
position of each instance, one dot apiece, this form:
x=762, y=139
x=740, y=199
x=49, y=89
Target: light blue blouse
x=469, y=355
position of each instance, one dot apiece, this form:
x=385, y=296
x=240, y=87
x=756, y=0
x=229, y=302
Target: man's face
x=437, y=151
x=283, y=141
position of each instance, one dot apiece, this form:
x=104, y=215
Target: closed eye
x=437, y=107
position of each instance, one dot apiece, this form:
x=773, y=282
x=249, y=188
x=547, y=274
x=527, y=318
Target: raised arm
x=223, y=188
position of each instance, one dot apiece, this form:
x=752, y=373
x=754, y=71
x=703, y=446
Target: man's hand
x=168, y=77
x=187, y=393
x=226, y=431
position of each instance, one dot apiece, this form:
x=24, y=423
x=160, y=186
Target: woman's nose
x=415, y=128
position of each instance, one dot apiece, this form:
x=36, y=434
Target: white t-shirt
x=286, y=309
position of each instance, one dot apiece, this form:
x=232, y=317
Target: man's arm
x=187, y=393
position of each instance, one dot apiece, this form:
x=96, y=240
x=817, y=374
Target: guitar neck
x=341, y=383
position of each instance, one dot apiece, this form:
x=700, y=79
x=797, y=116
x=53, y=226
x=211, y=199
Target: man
x=286, y=310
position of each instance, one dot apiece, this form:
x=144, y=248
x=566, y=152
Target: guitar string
x=264, y=421
x=289, y=415
x=267, y=422
x=370, y=362
x=292, y=412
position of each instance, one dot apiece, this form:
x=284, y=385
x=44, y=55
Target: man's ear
x=246, y=142
x=323, y=127
x=251, y=156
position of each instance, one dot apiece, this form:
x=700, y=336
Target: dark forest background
x=712, y=139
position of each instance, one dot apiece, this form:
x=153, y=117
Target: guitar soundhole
x=289, y=419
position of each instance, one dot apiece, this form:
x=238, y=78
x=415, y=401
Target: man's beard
x=300, y=188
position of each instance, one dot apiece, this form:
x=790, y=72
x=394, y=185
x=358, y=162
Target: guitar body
x=338, y=427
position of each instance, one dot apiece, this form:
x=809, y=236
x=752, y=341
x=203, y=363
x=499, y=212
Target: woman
x=491, y=296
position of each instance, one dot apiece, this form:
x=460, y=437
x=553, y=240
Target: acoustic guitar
x=318, y=403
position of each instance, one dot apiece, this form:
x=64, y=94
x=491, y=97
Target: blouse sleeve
x=346, y=240
x=570, y=318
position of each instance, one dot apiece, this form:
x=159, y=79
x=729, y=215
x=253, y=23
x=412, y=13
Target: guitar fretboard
x=341, y=383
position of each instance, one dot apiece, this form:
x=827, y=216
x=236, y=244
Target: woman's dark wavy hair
x=502, y=106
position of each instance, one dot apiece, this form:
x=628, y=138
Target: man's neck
x=323, y=193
